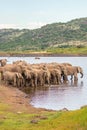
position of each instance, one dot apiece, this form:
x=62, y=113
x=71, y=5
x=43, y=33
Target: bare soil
x=17, y=100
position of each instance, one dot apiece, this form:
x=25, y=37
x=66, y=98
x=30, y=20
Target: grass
x=70, y=120
x=68, y=51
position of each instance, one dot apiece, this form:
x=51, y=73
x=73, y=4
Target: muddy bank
x=17, y=100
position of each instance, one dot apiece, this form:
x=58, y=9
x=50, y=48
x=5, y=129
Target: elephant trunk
x=81, y=75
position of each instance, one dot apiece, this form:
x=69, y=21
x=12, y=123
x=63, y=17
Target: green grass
x=70, y=50
x=70, y=120
x=65, y=51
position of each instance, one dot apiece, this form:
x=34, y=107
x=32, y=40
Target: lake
x=72, y=95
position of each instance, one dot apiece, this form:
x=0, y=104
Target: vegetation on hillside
x=56, y=35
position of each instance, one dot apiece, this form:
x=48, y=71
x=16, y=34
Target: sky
x=33, y=14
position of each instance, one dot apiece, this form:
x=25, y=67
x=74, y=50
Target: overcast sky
x=35, y=13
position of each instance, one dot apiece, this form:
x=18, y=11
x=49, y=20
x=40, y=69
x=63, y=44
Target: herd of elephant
x=23, y=74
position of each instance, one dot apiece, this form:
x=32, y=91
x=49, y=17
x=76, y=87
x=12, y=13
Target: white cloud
x=34, y=25
x=3, y=26
x=31, y=25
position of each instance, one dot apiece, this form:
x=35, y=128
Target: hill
x=72, y=33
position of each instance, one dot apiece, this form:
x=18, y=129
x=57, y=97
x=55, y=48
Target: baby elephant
x=10, y=77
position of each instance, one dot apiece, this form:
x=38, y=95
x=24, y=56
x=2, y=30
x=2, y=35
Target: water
x=71, y=96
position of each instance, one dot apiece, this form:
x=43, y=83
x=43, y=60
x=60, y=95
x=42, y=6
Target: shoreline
x=18, y=100
x=43, y=55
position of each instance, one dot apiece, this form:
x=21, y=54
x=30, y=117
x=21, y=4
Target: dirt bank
x=17, y=100
x=41, y=55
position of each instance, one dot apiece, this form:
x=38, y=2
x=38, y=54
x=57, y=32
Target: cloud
x=34, y=25
x=3, y=26
x=30, y=25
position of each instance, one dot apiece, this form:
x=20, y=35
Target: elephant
x=73, y=71
x=27, y=76
x=38, y=66
x=39, y=76
x=62, y=68
x=3, y=62
x=10, y=77
x=20, y=62
x=30, y=77
x=52, y=78
x=58, y=76
x=66, y=64
x=63, y=72
x=36, y=76
x=46, y=76
x=11, y=68
x=14, y=68
x=54, y=74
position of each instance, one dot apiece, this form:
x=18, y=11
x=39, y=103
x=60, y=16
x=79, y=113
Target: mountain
x=72, y=33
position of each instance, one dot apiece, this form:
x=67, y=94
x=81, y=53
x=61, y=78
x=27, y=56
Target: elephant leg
x=14, y=81
x=59, y=79
x=21, y=82
x=71, y=77
x=65, y=78
x=47, y=80
x=35, y=82
x=75, y=77
x=32, y=83
x=43, y=82
x=6, y=82
x=55, y=80
x=2, y=77
x=40, y=81
x=52, y=79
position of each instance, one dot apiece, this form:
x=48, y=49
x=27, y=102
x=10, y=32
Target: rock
x=43, y=118
x=37, y=57
x=34, y=121
x=5, y=117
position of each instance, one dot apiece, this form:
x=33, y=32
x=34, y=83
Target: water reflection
x=75, y=83
x=58, y=97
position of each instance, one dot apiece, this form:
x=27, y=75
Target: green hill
x=72, y=33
